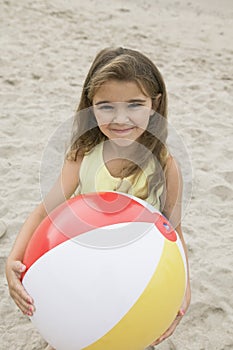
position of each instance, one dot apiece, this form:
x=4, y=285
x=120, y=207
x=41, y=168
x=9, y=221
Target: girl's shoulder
x=71, y=168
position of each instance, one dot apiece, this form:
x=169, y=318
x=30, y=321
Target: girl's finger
x=24, y=306
x=17, y=286
x=21, y=298
x=25, y=310
x=18, y=267
x=22, y=293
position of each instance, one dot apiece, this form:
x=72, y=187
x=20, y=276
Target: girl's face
x=122, y=110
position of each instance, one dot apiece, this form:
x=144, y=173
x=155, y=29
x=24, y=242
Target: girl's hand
x=14, y=270
x=171, y=329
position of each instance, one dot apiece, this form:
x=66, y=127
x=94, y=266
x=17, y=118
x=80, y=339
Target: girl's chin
x=123, y=142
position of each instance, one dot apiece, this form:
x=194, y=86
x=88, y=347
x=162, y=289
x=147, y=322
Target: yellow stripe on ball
x=155, y=309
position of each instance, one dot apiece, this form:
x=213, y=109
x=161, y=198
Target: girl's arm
x=62, y=190
x=173, y=210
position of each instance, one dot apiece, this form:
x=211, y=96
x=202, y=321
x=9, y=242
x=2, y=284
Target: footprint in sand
x=225, y=193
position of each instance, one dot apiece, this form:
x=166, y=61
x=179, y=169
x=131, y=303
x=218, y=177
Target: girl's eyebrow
x=100, y=102
x=134, y=100
x=139, y=100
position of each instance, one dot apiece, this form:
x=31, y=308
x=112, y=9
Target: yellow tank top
x=95, y=177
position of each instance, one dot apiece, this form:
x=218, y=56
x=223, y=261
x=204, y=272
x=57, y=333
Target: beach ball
x=106, y=272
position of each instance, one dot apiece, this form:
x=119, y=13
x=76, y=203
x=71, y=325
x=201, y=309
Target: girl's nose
x=121, y=114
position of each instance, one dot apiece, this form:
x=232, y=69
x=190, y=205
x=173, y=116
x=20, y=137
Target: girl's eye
x=135, y=105
x=105, y=107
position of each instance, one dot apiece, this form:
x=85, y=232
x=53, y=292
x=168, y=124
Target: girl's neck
x=112, y=150
x=118, y=159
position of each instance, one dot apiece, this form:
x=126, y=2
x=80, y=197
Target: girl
x=118, y=143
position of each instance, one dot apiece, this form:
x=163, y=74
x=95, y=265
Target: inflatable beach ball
x=106, y=272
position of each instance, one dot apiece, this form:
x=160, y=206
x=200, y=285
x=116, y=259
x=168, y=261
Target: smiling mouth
x=122, y=131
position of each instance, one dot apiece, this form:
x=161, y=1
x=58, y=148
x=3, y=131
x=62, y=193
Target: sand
x=46, y=50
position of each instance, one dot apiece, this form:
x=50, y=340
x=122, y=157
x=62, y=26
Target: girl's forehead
x=119, y=91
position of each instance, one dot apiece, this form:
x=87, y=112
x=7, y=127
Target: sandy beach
x=46, y=50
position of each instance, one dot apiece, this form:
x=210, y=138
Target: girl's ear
x=156, y=101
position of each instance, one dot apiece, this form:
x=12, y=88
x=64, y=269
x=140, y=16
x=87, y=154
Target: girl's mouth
x=122, y=131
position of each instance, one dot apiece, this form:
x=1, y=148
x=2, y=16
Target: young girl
x=118, y=143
